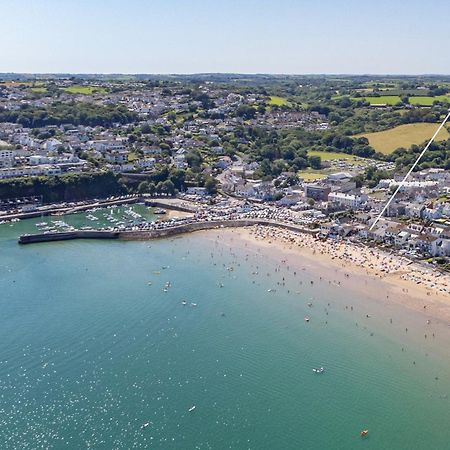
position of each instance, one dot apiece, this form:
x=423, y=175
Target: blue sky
x=247, y=36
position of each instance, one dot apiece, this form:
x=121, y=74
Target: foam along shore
x=372, y=272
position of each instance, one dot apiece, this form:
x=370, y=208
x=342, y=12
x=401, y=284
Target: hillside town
x=207, y=135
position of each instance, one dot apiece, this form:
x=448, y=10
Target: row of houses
x=414, y=238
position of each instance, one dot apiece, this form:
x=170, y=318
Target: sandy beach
x=385, y=278
x=172, y=213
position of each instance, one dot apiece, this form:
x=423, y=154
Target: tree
x=168, y=187
x=146, y=129
x=143, y=187
x=211, y=186
x=177, y=177
x=246, y=112
x=151, y=188
x=194, y=159
x=315, y=162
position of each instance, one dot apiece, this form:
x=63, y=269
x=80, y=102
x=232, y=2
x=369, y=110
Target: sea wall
x=160, y=233
x=66, y=236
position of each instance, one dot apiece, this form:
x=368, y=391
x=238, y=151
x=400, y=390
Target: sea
x=204, y=342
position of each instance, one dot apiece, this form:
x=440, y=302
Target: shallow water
x=89, y=351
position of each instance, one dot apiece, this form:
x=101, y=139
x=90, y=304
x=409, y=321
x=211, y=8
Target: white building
x=27, y=171
x=179, y=161
x=145, y=163
x=117, y=156
x=108, y=145
x=7, y=158
x=346, y=200
x=52, y=145
x=35, y=160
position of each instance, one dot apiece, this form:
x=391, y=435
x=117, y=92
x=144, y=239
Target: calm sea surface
x=95, y=341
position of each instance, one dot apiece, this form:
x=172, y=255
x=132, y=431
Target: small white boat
x=307, y=319
x=319, y=370
x=191, y=408
x=145, y=425
x=194, y=304
x=184, y=303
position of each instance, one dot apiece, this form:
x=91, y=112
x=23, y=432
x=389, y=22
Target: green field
x=330, y=156
x=382, y=100
x=87, y=90
x=278, y=101
x=310, y=175
x=403, y=136
x=428, y=101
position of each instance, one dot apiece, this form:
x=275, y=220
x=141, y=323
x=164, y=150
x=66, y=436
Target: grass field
x=382, y=100
x=87, y=90
x=310, y=175
x=278, y=101
x=403, y=136
x=428, y=101
x=330, y=156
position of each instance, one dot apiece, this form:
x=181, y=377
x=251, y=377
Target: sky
x=237, y=36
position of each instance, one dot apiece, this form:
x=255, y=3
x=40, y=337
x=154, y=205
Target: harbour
x=122, y=345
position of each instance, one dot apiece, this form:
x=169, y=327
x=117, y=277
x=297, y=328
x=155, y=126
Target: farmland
x=428, y=101
x=392, y=100
x=403, y=136
x=383, y=100
x=86, y=90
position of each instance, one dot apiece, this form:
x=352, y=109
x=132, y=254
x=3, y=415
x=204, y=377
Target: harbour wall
x=69, y=235
x=159, y=233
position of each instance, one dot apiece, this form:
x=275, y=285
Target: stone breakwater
x=159, y=232
x=66, y=236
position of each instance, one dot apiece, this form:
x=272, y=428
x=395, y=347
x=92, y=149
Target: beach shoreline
x=385, y=278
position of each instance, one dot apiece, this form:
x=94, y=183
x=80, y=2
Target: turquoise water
x=98, y=218
x=90, y=351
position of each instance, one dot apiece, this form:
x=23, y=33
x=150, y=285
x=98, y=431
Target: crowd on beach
x=374, y=261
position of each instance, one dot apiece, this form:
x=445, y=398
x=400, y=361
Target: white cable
x=409, y=172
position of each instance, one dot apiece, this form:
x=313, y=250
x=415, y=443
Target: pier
x=156, y=233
